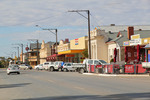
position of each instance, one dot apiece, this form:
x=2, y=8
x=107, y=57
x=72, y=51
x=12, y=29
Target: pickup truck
x=84, y=67
x=56, y=66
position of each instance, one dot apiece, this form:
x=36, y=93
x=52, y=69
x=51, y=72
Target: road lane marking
x=80, y=88
x=51, y=81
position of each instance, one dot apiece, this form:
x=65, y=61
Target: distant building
x=33, y=54
x=105, y=39
x=45, y=51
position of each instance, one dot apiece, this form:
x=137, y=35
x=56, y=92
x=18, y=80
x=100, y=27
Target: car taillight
x=8, y=68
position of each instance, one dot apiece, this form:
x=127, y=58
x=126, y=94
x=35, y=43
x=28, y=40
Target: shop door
x=148, y=55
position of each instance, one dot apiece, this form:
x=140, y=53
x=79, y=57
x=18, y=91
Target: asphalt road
x=43, y=85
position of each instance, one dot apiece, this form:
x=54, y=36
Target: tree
x=85, y=53
x=4, y=62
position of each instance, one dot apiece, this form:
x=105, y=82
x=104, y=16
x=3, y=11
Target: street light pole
x=89, y=34
x=56, y=43
x=54, y=34
x=89, y=37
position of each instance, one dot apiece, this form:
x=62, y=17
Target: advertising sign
x=126, y=43
x=129, y=68
x=137, y=36
x=135, y=42
x=76, y=42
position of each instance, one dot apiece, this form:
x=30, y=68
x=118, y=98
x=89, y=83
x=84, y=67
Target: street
x=44, y=85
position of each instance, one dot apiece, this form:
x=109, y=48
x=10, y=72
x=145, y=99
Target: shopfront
x=72, y=55
x=74, y=50
x=135, y=49
x=147, y=52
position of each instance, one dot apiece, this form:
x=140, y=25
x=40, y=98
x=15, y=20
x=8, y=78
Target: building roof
x=117, y=28
x=34, y=46
x=123, y=37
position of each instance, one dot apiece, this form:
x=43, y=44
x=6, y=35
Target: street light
x=53, y=33
x=88, y=26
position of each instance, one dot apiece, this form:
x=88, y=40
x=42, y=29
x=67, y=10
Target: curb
x=123, y=75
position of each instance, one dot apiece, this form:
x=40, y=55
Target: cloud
x=53, y=14
x=30, y=12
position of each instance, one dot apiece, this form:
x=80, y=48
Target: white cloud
x=53, y=14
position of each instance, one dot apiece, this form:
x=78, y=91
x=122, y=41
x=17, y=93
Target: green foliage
x=112, y=60
x=85, y=53
x=4, y=62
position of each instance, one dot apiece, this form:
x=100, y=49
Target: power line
x=36, y=20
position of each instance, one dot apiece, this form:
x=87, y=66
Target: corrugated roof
x=124, y=37
x=34, y=46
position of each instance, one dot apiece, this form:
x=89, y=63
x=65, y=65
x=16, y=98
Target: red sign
x=27, y=48
x=129, y=68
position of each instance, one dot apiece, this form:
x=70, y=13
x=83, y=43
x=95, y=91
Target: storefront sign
x=135, y=42
x=129, y=68
x=76, y=42
x=137, y=36
x=126, y=43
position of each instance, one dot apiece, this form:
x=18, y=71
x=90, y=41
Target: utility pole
x=18, y=51
x=21, y=45
x=37, y=51
x=22, y=51
x=53, y=33
x=89, y=37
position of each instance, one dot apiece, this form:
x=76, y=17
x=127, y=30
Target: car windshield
x=13, y=66
x=102, y=61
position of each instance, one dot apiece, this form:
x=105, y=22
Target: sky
x=18, y=19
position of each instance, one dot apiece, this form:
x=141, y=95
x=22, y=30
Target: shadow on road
x=127, y=96
x=13, y=85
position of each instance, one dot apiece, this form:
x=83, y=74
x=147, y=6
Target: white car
x=13, y=69
x=24, y=66
x=68, y=67
x=39, y=67
x=47, y=65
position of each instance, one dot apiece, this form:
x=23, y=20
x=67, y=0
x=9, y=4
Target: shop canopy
x=53, y=57
x=147, y=46
x=70, y=51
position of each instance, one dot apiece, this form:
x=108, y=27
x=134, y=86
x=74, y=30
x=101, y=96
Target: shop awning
x=53, y=56
x=147, y=46
x=70, y=51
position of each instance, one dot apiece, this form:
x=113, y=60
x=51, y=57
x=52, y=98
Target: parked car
x=39, y=67
x=68, y=67
x=56, y=66
x=84, y=67
x=29, y=67
x=25, y=66
x=47, y=65
x=13, y=69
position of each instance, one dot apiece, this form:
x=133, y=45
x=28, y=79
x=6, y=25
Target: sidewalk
x=122, y=75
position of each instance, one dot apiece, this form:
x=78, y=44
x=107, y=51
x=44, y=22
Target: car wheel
x=8, y=73
x=37, y=69
x=51, y=69
x=18, y=72
x=59, y=70
x=65, y=70
x=81, y=70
